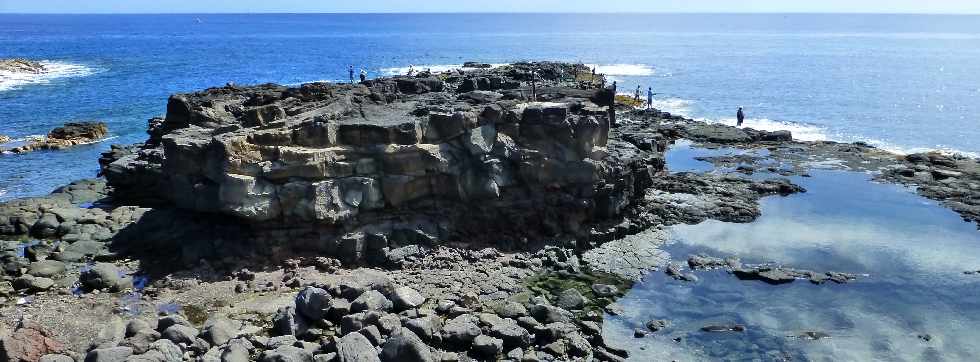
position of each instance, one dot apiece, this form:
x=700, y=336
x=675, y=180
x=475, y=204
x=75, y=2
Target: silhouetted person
x=363, y=75
x=740, y=116
x=593, y=74
x=636, y=95
x=649, y=97
x=350, y=73
x=411, y=70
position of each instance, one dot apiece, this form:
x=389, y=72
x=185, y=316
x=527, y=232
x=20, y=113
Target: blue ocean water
x=905, y=82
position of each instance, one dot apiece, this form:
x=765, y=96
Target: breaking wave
x=52, y=70
x=437, y=68
x=627, y=70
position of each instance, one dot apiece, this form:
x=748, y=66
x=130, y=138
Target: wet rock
x=571, y=299
x=657, y=325
x=639, y=333
x=405, y=346
x=105, y=276
x=675, y=271
x=813, y=335
x=605, y=290
x=766, y=274
x=724, y=328
x=354, y=347
x=549, y=314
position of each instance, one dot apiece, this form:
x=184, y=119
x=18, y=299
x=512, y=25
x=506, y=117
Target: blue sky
x=301, y=6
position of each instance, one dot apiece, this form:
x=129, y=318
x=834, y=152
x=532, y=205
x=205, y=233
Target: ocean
x=903, y=82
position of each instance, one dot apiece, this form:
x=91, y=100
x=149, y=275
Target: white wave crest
x=629, y=70
x=437, y=68
x=52, y=70
x=801, y=132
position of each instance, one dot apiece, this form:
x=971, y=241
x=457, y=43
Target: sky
x=375, y=6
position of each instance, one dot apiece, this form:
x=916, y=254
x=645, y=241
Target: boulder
x=487, y=346
x=313, y=303
x=286, y=354
x=405, y=346
x=371, y=300
x=113, y=354
x=105, y=276
x=354, y=347
x=46, y=268
x=406, y=298
x=461, y=331
x=28, y=342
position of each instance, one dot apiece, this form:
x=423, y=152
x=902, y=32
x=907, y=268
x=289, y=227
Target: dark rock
x=487, y=346
x=371, y=300
x=180, y=334
x=105, y=276
x=657, y=325
x=313, y=303
x=605, y=290
x=724, y=328
x=571, y=299
x=461, y=331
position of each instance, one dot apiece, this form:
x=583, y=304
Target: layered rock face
x=481, y=153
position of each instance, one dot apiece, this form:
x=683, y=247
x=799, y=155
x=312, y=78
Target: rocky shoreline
x=69, y=135
x=467, y=215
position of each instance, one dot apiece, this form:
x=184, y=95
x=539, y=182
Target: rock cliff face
x=477, y=154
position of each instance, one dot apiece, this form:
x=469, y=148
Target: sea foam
x=52, y=70
x=626, y=70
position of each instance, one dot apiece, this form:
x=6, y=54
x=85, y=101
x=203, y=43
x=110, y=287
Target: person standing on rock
x=741, y=117
x=363, y=75
x=649, y=97
x=636, y=95
x=350, y=73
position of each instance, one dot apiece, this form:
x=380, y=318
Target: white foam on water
x=52, y=70
x=435, y=68
x=802, y=132
x=627, y=70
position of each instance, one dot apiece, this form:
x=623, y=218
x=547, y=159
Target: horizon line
x=498, y=13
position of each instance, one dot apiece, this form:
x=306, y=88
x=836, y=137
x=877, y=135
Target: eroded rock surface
x=69, y=135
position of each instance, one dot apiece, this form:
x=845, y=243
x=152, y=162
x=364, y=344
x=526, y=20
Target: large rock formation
x=69, y=135
x=477, y=154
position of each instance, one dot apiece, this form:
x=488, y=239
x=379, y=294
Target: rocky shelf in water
x=69, y=135
x=21, y=66
x=480, y=214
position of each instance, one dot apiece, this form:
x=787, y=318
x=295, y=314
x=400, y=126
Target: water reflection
x=915, y=303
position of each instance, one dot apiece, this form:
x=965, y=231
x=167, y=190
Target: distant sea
x=902, y=82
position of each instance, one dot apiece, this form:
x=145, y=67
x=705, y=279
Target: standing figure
x=740, y=116
x=350, y=73
x=411, y=69
x=650, y=98
x=534, y=88
x=593, y=74
x=363, y=75
x=636, y=95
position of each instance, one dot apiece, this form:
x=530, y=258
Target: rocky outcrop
x=4, y=139
x=468, y=155
x=69, y=135
x=21, y=66
x=951, y=179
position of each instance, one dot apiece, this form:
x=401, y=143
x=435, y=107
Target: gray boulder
x=461, y=331
x=219, y=331
x=487, y=346
x=571, y=299
x=114, y=354
x=105, y=276
x=46, y=268
x=354, y=347
x=371, y=300
x=180, y=334
x=406, y=298
x=286, y=354
x=405, y=346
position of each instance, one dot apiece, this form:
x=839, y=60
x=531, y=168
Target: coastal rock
x=354, y=347
x=405, y=346
x=105, y=276
x=4, y=139
x=21, y=66
x=307, y=160
x=406, y=298
x=71, y=134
